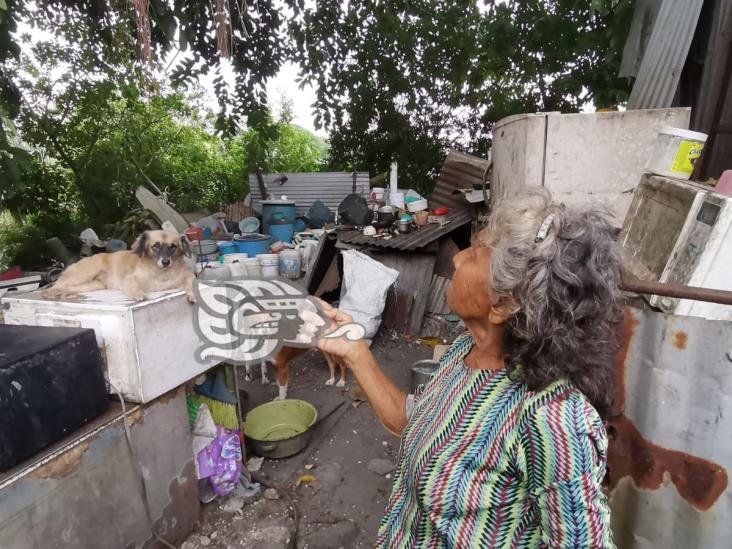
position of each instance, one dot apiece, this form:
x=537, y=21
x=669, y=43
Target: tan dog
x=154, y=264
x=281, y=363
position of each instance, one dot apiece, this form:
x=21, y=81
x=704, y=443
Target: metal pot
x=404, y=226
x=282, y=428
x=422, y=372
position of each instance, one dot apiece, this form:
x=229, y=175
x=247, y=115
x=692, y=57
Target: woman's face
x=469, y=293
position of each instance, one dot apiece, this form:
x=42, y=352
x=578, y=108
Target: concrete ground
x=343, y=505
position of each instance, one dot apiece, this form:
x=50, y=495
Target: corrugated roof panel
x=410, y=241
x=665, y=56
x=305, y=188
x=459, y=171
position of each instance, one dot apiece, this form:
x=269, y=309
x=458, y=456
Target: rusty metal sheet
x=414, y=240
x=670, y=445
x=459, y=171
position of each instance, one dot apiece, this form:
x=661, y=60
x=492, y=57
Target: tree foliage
x=408, y=79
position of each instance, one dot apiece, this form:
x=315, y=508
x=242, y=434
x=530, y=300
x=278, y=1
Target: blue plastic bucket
x=279, y=212
x=227, y=248
x=282, y=232
x=252, y=244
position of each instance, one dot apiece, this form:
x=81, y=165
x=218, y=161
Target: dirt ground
x=342, y=507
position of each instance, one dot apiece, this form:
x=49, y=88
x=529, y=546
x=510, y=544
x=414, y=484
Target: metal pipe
x=671, y=289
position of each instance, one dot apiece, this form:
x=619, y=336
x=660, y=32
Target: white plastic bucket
x=270, y=265
x=676, y=152
x=290, y=263
x=234, y=258
x=252, y=266
x=397, y=200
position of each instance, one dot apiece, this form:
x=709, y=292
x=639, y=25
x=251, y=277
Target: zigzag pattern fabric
x=485, y=462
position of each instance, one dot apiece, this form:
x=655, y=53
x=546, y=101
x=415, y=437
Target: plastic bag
x=365, y=285
x=220, y=461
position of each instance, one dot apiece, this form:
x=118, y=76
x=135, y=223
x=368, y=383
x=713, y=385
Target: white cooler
x=148, y=346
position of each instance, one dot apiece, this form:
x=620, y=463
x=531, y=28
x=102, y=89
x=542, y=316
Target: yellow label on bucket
x=686, y=156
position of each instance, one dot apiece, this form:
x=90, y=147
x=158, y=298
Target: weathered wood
x=446, y=251
x=407, y=300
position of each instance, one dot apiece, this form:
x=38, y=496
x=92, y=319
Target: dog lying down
x=281, y=363
x=154, y=264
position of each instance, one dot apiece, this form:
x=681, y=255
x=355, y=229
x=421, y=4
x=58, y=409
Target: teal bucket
x=282, y=233
x=277, y=212
x=252, y=244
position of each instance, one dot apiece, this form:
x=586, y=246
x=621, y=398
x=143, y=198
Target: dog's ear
x=140, y=245
x=185, y=246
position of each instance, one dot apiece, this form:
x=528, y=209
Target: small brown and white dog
x=154, y=264
x=281, y=363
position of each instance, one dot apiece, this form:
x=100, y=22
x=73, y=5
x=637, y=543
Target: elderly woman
x=505, y=446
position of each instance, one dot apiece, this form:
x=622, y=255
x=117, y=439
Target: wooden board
x=406, y=301
x=445, y=253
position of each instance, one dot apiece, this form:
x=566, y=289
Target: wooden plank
x=407, y=300
x=437, y=300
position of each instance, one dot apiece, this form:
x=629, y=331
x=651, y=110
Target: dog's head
x=163, y=247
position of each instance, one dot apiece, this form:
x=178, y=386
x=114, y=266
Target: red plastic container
x=194, y=233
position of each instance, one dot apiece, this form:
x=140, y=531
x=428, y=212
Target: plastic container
x=378, y=194
x=226, y=248
x=194, y=233
x=234, y=258
x=397, y=200
x=277, y=211
x=282, y=232
x=676, y=152
x=252, y=266
x=252, y=244
x=270, y=265
x=290, y=263
x=417, y=205
x=204, y=247
x=420, y=218
x=249, y=225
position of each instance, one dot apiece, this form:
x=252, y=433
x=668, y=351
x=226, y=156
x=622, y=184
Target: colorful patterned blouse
x=485, y=462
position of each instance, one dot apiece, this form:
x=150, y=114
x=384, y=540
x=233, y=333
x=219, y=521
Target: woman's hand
x=340, y=347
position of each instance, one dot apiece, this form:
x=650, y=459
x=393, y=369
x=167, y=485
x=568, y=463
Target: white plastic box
x=148, y=346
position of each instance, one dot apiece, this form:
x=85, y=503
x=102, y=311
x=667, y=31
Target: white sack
x=364, y=288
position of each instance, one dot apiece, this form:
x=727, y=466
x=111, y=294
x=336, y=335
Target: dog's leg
x=188, y=287
x=331, y=366
x=282, y=375
x=265, y=379
x=342, y=381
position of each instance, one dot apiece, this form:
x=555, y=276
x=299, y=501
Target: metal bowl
x=422, y=372
x=280, y=428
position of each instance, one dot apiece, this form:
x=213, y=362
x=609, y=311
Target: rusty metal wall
x=671, y=445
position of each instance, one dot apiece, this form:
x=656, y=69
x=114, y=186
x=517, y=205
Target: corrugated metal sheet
x=670, y=445
x=660, y=70
x=459, y=171
x=641, y=27
x=411, y=241
x=305, y=188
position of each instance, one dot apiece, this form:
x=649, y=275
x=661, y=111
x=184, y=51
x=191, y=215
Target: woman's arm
x=387, y=400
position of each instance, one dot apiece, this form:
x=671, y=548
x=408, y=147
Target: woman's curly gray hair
x=562, y=290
